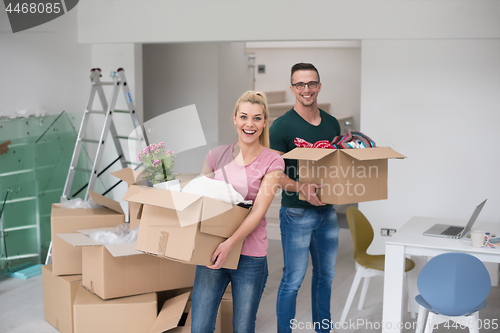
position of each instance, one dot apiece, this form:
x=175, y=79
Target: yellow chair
x=367, y=265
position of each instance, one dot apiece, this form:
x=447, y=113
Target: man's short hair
x=303, y=66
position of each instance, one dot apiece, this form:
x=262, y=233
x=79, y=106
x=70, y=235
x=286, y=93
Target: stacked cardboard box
x=67, y=259
x=62, y=279
x=108, y=288
x=118, y=273
x=118, y=270
x=59, y=293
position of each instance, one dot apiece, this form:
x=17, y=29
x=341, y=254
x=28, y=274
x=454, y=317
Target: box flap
x=220, y=218
x=81, y=238
x=213, y=208
x=162, y=198
x=132, y=190
x=376, y=153
x=128, y=175
x=170, y=313
x=77, y=239
x=106, y=202
x=309, y=154
x=122, y=250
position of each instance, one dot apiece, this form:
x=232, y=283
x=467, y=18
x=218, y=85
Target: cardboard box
x=346, y=175
x=134, y=314
x=67, y=259
x=133, y=177
x=119, y=270
x=184, y=226
x=59, y=293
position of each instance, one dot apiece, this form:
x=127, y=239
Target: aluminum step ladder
x=119, y=83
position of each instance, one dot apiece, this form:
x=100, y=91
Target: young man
x=306, y=226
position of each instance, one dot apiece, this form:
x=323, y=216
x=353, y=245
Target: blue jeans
x=247, y=284
x=303, y=231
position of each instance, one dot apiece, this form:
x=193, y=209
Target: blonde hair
x=256, y=97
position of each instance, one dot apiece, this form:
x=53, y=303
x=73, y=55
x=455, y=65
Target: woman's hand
x=220, y=255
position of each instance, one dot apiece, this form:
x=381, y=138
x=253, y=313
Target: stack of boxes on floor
x=115, y=288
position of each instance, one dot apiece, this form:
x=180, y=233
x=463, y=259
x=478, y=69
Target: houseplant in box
x=158, y=167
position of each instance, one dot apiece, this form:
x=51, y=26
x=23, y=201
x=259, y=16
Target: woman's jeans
x=247, y=285
x=303, y=231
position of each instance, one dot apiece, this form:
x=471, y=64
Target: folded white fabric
x=118, y=235
x=216, y=189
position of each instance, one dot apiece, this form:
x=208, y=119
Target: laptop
x=452, y=231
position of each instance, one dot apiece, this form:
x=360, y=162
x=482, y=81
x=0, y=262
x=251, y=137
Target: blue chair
x=452, y=286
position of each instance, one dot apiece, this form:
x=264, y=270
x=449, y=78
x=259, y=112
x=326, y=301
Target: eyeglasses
x=302, y=85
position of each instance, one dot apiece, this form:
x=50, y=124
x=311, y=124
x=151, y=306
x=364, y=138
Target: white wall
x=177, y=75
x=235, y=77
x=438, y=103
x=210, y=75
x=249, y=20
x=43, y=67
x=339, y=69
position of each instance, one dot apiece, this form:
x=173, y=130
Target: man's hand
x=309, y=192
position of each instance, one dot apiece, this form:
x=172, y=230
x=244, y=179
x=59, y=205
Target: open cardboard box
x=134, y=177
x=119, y=270
x=184, y=226
x=67, y=259
x=346, y=175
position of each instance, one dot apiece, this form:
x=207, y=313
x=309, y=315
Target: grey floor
x=21, y=301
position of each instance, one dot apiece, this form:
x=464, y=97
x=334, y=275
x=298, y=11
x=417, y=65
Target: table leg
x=393, y=288
x=411, y=280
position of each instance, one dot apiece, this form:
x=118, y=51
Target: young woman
x=254, y=171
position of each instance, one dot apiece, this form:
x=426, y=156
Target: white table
x=409, y=240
